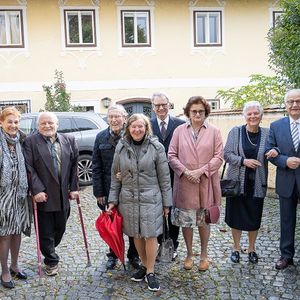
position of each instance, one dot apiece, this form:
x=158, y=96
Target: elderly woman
x=103, y=154
x=142, y=192
x=14, y=208
x=245, y=154
x=195, y=154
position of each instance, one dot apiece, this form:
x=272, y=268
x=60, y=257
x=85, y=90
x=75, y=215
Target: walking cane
x=83, y=232
x=38, y=248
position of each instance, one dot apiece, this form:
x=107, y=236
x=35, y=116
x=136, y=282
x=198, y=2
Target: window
x=275, y=15
x=11, y=29
x=27, y=125
x=84, y=124
x=135, y=28
x=23, y=106
x=65, y=125
x=80, y=30
x=214, y=103
x=207, y=28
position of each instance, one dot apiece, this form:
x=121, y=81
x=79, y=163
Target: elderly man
x=103, y=154
x=284, y=137
x=51, y=161
x=163, y=126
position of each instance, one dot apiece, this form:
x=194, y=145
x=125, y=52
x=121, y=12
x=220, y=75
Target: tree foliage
x=265, y=89
x=284, y=39
x=57, y=97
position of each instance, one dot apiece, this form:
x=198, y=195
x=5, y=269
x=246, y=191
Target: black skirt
x=244, y=212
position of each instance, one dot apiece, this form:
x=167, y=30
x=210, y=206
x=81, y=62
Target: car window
x=84, y=124
x=65, y=125
x=27, y=125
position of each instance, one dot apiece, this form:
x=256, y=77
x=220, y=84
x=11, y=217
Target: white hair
x=290, y=92
x=251, y=104
x=47, y=114
x=159, y=95
x=118, y=107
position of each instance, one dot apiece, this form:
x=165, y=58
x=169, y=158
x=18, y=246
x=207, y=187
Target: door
x=139, y=107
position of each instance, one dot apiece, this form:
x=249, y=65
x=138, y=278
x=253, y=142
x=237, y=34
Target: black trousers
x=52, y=226
x=131, y=252
x=288, y=215
x=173, y=232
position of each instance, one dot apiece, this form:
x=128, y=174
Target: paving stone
x=224, y=280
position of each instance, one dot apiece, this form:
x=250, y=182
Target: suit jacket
x=206, y=153
x=280, y=137
x=43, y=177
x=172, y=125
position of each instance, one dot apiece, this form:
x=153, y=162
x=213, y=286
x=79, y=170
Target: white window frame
x=136, y=14
x=135, y=48
x=206, y=12
x=215, y=102
x=23, y=29
x=65, y=32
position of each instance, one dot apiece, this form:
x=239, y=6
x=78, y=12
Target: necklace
x=249, y=139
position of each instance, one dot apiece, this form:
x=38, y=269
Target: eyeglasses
x=164, y=105
x=292, y=102
x=195, y=112
x=114, y=116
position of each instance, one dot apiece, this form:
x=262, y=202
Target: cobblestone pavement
x=224, y=280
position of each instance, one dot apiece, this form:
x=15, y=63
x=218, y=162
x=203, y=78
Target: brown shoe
x=188, y=263
x=283, y=263
x=203, y=265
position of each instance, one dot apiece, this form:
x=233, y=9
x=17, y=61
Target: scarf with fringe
x=6, y=164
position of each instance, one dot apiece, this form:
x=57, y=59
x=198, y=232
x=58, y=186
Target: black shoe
x=153, y=284
x=139, y=275
x=19, y=275
x=253, y=258
x=111, y=263
x=7, y=284
x=235, y=256
x=135, y=262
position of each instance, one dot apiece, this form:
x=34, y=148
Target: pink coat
x=185, y=153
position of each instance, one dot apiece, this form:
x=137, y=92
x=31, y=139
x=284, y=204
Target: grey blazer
x=234, y=154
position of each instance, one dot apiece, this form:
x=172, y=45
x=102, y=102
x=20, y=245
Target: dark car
x=84, y=126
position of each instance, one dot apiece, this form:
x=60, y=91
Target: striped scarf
x=6, y=164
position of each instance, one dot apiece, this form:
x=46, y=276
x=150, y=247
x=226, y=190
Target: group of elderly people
x=149, y=169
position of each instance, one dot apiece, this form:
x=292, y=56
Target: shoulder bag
x=229, y=187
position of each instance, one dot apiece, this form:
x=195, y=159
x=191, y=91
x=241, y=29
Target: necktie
x=54, y=156
x=163, y=129
x=295, y=135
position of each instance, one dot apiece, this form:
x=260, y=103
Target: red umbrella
x=110, y=230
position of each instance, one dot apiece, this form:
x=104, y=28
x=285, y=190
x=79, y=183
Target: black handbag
x=230, y=187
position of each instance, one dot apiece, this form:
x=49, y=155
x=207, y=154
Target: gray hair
x=159, y=95
x=118, y=107
x=251, y=104
x=290, y=92
x=48, y=114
